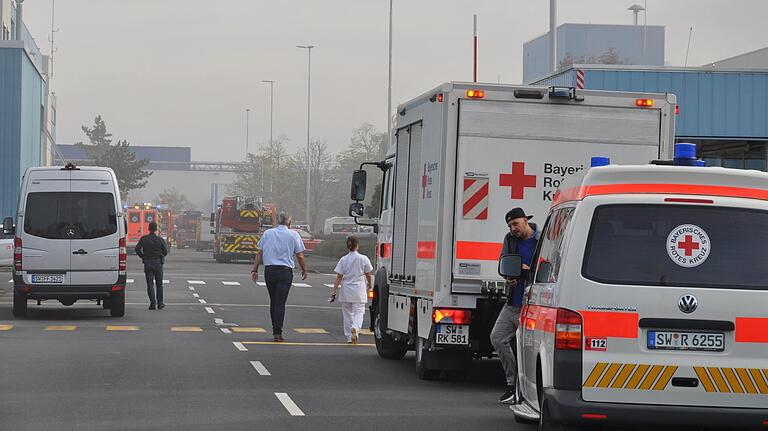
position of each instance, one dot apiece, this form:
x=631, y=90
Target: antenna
x=687, y=50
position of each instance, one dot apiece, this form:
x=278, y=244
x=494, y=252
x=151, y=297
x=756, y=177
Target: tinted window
x=65, y=215
x=666, y=245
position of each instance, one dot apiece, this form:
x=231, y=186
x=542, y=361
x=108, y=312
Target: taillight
x=122, y=256
x=451, y=315
x=475, y=94
x=568, y=330
x=17, y=254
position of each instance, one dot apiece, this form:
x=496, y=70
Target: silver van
x=69, y=238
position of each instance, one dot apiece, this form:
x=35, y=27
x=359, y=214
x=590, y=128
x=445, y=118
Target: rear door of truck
x=515, y=153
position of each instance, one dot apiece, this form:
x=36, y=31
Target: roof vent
x=70, y=167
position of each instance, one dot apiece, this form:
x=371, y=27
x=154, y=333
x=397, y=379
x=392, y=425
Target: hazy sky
x=182, y=72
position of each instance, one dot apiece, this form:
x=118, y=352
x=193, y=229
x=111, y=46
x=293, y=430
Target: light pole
x=271, y=117
x=247, y=131
x=389, y=81
x=309, y=98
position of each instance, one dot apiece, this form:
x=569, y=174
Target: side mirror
x=356, y=209
x=8, y=228
x=359, y=180
x=510, y=265
x=544, y=272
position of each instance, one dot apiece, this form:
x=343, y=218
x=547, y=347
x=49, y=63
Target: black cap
x=516, y=213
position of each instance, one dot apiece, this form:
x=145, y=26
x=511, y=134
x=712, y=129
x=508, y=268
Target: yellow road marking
x=239, y=329
x=626, y=371
x=366, y=332
x=286, y=343
x=61, y=328
x=613, y=369
x=651, y=377
x=187, y=329
x=666, y=376
x=637, y=376
x=733, y=381
x=310, y=330
x=6, y=327
x=760, y=380
x=595, y=374
x=718, y=378
x=746, y=381
x=122, y=328
x=704, y=378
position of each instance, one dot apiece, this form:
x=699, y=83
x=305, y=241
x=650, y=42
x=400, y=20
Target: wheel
x=423, y=371
x=227, y=259
x=19, y=304
x=219, y=258
x=117, y=304
x=386, y=345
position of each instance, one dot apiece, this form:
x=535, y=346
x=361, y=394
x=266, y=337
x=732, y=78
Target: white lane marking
x=218, y=321
x=261, y=283
x=225, y=330
x=328, y=285
x=239, y=346
x=202, y=301
x=301, y=285
x=231, y=283
x=260, y=368
x=195, y=295
x=191, y=288
x=195, y=282
x=130, y=280
x=166, y=281
x=289, y=405
x=209, y=310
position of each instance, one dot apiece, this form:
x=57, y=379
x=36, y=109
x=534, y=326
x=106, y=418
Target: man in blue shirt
x=521, y=239
x=277, y=248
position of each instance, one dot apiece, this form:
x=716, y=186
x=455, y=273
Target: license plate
x=452, y=334
x=701, y=341
x=47, y=278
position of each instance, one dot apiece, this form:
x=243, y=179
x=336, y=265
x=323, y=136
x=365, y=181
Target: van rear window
x=70, y=215
x=678, y=245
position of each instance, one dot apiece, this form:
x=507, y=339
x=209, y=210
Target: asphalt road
x=207, y=362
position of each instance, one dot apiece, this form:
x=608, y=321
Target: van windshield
x=678, y=245
x=70, y=215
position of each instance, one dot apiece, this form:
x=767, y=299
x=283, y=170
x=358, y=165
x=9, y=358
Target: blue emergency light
x=685, y=155
x=600, y=161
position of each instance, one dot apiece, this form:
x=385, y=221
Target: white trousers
x=353, y=314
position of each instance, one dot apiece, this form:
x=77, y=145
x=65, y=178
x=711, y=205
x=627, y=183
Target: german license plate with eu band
x=47, y=278
x=452, y=334
x=673, y=340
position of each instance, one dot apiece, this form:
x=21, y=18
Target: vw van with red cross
x=647, y=300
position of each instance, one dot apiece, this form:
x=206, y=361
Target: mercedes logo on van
x=687, y=304
x=71, y=232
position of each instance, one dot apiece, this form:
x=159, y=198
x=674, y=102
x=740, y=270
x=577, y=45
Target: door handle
x=81, y=251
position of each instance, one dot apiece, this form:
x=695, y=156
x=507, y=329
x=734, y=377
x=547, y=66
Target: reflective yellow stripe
x=626, y=370
x=760, y=380
x=746, y=381
x=666, y=376
x=609, y=375
x=637, y=376
x=651, y=377
x=718, y=378
x=596, y=372
x=733, y=380
x=704, y=379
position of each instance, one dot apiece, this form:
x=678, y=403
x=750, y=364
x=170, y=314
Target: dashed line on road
x=202, y=301
x=166, y=281
x=250, y=330
x=187, y=329
x=260, y=368
x=239, y=346
x=195, y=295
x=231, y=283
x=191, y=288
x=328, y=285
x=289, y=405
x=261, y=283
x=310, y=330
x=209, y=310
x=61, y=328
x=225, y=330
x=301, y=285
x=122, y=328
x=129, y=281
x=195, y=282
x=218, y=321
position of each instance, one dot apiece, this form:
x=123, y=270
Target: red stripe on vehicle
x=471, y=250
x=751, y=330
x=610, y=324
x=425, y=250
x=386, y=250
x=579, y=193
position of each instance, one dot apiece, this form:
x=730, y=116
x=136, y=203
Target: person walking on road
x=353, y=274
x=277, y=249
x=152, y=251
x=521, y=239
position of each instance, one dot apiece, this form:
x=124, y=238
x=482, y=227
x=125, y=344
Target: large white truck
x=460, y=157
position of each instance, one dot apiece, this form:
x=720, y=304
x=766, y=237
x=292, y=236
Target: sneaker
x=509, y=396
x=151, y=306
x=354, y=336
x=160, y=306
x=279, y=338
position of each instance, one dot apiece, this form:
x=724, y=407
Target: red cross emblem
x=688, y=245
x=424, y=183
x=517, y=180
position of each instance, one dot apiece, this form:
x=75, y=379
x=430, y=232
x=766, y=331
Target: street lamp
x=271, y=117
x=309, y=95
x=247, y=127
x=389, y=81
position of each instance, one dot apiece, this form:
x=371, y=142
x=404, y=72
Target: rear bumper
x=568, y=407
x=42, y=291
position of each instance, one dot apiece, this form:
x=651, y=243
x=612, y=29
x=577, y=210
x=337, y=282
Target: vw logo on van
x=687, y=304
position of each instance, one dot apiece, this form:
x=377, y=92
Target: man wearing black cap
x=521, y=239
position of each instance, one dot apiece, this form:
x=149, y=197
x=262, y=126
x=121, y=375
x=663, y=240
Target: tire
x=219, y=258
x=386, y=345
x=422, y=370
x=117, y=304
x=19, y=304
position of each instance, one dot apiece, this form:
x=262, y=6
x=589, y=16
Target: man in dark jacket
x=521, y=239
x=152, y=251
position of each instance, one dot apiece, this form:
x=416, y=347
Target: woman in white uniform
x=353, y=275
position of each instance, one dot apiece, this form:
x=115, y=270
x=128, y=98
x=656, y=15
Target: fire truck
x=238, y=224
x=165, y=227
x=187, y=225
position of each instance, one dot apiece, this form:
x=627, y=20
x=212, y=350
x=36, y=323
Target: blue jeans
x=279, y=280
x=153, y=270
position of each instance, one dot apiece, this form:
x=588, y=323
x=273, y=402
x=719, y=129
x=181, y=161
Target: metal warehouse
x=723, y=111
